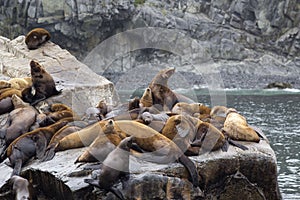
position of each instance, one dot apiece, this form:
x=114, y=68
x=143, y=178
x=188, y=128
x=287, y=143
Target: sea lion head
x=4, y=84
x=109, y=126
x=231, y=110
x=147, y=117
x=134, y=103
x=18, y=102
x=126, y=143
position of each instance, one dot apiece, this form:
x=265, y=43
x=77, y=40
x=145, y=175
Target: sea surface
x=277, y=113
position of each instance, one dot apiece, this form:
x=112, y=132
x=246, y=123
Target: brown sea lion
x=161, y=93
x=36, y=37
x=31, y=144
x=6, y=105
x=218, y=111
x=20, y=83
x=191, y=108
x=60, y=111
x=163, y=150
x=19, y=120
x=10, y=92
x=134, y=103
x=236, y=127
x=42, y=82
x=114, y=168
x=81, y=138
x=102, y=145
x=146, y=100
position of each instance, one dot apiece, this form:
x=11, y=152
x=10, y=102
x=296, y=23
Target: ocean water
x=277, y=113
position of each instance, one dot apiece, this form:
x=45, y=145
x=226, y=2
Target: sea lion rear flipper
x=49, y=154
x=234, y=143
x=117, y=192
x=17, y=167
x=258, y=131
x=3, y=155
x=225, y=146
x=190, y=166
x=36, y=99
x=40, y=145
x=92, y=182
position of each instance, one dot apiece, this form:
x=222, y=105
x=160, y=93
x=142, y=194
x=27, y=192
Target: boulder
x=81, y=87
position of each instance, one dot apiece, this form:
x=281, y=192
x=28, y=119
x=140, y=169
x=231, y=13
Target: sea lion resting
x=36, y=37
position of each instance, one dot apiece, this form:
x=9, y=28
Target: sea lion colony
x=169, y=125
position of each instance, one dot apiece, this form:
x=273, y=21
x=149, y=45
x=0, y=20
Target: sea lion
x=19, y=120
x=10, y=92
x=58, y=111
x=42, y=82
x=134, y=103
x=21, y=187
x=218, y=111
x=64, y=131
x=146, y=100
x=191, y=108
x=20, y=83
x=236, y=127
x=163, y=150
x=31, y=144
x=36, y=37
x=81, y=138
x=147, y=117
x=181, y=130
x=161, y=93
x=6, y=105
x=102, y=145
x=115, y=167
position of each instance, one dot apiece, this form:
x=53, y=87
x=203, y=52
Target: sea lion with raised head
x=28, y=145
x=161, y=93
x=43, y=84
x=146, y=99
x=163, y=150
x=36, y=37
x=114, y=168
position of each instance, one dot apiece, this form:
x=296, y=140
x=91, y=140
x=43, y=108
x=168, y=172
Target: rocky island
x=251, y=174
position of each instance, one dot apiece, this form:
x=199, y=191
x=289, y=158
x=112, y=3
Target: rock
x=251, y=174
x=81, y=87
x=279, y=85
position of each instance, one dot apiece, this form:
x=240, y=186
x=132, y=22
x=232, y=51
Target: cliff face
x=243, y=37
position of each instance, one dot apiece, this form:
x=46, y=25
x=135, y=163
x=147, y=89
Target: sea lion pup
x=64, y=131
x=6, y=105
x=115, y=167
x=20, y=83
x=19, y=120
x=161, y=93
x=236, y=127
x=163, y=150
x=36, y=37
x=146, y=100
x=21, y=188
x=102, y=145
x=42, y=82
x=29, y=145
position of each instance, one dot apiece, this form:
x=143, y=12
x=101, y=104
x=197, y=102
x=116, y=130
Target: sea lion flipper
x=40, y=144
x=92, y=182
x=3, y=155
x=117, y=192
x=49, y=154
x=225, y=146
x=234, y=143
x=190, y=166
x=37, y=99
x=258, y=131
x=17, y=167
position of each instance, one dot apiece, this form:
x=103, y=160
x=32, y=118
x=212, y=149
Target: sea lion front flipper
x=40, y=145
x=234, y=143
x=37, y=98
x=117, y=192
x=17, y=167
x=190, y=166
x=93, y=166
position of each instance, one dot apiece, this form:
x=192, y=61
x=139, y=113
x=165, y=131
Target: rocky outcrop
x=250, y=174
x=81, y=87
